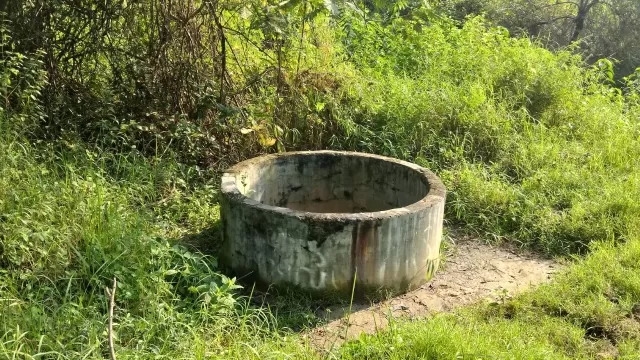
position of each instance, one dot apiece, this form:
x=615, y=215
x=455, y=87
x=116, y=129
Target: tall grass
x=72, y=220
x=534, y=147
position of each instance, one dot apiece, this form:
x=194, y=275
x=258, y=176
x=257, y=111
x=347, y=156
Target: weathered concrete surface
x=316, y=220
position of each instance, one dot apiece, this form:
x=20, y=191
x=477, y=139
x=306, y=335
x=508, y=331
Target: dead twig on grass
x=112, y=303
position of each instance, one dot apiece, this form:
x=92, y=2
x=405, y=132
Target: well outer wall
x=389, y=251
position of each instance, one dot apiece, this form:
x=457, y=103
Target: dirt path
x=472, y=271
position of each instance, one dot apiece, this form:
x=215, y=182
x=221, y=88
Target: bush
x=532, y=145
x=109, y=166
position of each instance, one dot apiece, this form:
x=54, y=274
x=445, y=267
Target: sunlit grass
x=532, y=147
x=590, y=310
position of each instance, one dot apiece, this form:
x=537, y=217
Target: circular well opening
x=331, y=182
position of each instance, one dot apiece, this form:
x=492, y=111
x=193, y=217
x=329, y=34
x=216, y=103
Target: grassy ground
x=533, y=147
x=69, y=225
x=590, y=310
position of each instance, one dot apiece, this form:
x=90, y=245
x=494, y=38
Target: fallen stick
x=112, y=304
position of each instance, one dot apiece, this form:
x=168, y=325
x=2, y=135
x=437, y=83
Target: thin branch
x=112, y=303
x=247, y=39
x=304, y=15
x=256, y=78
x=233, y=53
x=557, y=3
x=553, y=20
x=591, y=4
x=566, y=2
x=196, y=13
x=223, y=55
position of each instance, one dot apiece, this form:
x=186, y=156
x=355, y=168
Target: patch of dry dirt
x=472, y=271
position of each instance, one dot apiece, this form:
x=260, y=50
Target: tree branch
x=223, y=55
x=247, y=39
x=553, y=20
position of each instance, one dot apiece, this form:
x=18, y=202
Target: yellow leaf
x=266, y=140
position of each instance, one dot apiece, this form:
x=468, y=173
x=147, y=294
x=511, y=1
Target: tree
x=583, y=7
x=604, y=28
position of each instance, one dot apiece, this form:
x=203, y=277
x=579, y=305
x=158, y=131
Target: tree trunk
x=579, y=25
x=583, y=10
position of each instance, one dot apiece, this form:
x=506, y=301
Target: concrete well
x=318, y=219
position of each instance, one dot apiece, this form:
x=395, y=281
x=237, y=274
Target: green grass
x=69, y=226
x=533, y=147
x=72, y=220
x=590, y=310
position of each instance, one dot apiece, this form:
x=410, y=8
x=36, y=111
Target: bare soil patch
x=472, y=271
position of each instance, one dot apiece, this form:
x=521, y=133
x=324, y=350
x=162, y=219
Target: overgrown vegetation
x=116, y=117
x=594, y=28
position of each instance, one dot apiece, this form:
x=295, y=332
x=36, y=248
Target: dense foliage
x=115, y=118
x=596, y=29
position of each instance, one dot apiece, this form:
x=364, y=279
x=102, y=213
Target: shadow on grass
x=291, y=308
x=208, y=241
